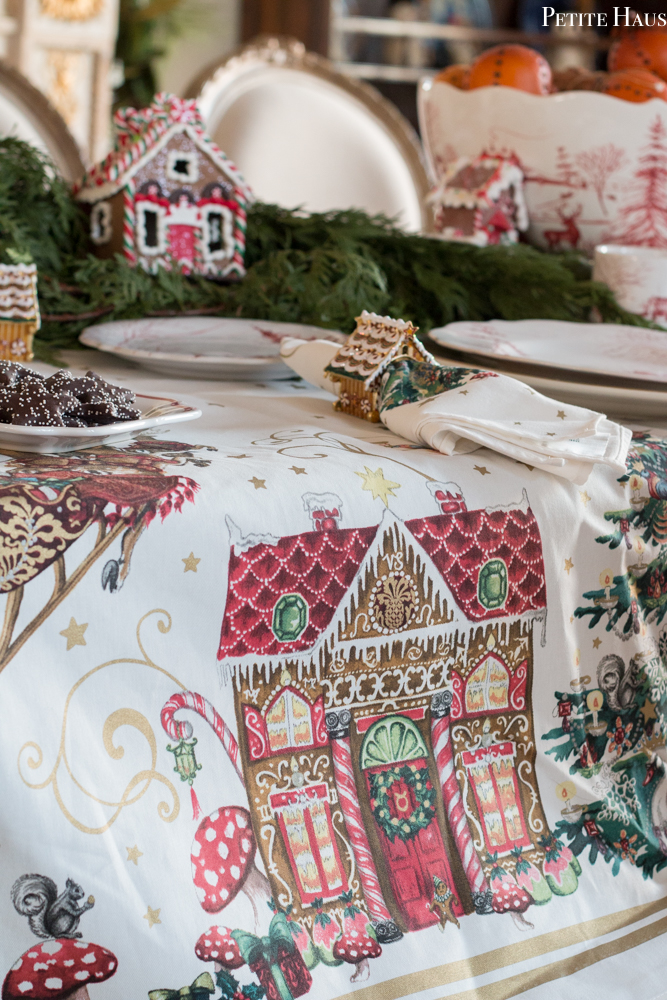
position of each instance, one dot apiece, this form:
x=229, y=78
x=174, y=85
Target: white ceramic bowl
x=584, y=157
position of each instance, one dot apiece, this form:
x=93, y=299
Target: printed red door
x=395, y=761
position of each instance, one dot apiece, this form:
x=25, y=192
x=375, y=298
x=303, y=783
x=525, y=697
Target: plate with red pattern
x=204, y=347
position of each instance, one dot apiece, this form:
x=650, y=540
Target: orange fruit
x=642, y=49
x=511, y=66
x=637, y=85
x=457, y=74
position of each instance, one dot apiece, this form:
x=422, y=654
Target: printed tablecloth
x=291, y=706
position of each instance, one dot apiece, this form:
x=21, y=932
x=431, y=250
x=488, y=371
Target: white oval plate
x=203, y=346
x=628, y=352
x=157, y=411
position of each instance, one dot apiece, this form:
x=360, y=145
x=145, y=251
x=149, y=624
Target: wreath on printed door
x=407, y=825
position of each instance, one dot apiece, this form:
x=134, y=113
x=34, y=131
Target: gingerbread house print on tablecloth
x=359, y=364
x=382, y=680
x=166, y=195
x=480, y=201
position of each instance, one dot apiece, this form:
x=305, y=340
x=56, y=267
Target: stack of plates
x=620, y=370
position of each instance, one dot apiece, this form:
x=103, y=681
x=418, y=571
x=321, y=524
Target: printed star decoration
x=190, y=563
x=259, y=484
x=482, y=469
x=297, y=471
x=561, y=414
x=568, y=566
x=238, y=456
x=376, y=484
x=74, y=634
x=597, y=643
x=648, y=710
x=133, y=854
x=585, y=499
x=152, y=916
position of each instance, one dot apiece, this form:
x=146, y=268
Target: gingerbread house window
x=150, y=229
x=218, y=226
x=288, y=722
x=101, y=228
x=183, y=166
x=493, y=777
x=487, y=689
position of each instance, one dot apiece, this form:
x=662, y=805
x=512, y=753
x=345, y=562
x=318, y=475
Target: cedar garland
x=321, y=269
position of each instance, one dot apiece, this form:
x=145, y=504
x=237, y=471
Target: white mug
x=637, y=276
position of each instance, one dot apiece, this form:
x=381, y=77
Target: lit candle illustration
x=639, y=568
x=565, y=791
x=594, y=701
x=607, y=581
x=637, y=501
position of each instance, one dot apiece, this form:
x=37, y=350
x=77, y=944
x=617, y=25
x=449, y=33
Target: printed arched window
x=289, y=722
x=487, y=688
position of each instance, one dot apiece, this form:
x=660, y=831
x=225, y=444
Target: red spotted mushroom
x=58, y=969
x=218, y=946
x=223, y=861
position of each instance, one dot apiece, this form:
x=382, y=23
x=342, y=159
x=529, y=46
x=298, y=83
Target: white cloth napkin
x=495, y=412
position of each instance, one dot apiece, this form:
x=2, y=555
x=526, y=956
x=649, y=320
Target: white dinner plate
x=607, y=349
x=157, y=412
x=203, y=346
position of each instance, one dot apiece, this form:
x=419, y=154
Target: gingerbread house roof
x=18, y=293
x=373, y=344
x=317, y=565
x=461, y=544
x=320, y=567
x=477, y=183
x=140, y=134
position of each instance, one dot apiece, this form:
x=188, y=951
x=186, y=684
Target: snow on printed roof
x=318, y=566
x=139, y=133
x=461, y=545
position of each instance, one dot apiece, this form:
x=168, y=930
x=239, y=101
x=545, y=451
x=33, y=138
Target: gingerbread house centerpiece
x=361, y=361
x=480, y=201
x=19, y=311
x=166, y=195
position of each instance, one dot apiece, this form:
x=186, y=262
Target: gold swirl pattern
x=32, y=757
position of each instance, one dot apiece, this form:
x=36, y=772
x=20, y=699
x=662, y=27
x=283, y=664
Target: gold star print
x=259, y=484
x=152, y=916
x=376, y=484
x=297, y=471
x=463, y=392
x=190, y=563
x=551, y=434
x=74, y=634
x=632, y=587
x=561, y=414
x=518, y=423
x=568, y=566
x=133, y=854
x=482, y=469
x=585, y=499
x=648, y=711
x=238, y=456
x=597, y=643
x=571, y=619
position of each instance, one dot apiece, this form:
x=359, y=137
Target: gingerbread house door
x=394, y=759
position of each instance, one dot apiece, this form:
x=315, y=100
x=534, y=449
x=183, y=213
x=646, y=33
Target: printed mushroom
x=223, y=861
x=218, y=946
x=58, y=969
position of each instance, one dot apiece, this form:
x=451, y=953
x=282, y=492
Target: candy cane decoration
x=338, y=726
x=451, y=794
x=183, y=730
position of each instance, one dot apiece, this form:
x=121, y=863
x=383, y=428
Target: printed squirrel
x=50, y=915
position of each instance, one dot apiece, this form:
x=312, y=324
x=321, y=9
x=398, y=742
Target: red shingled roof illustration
x=460, y=544
x=318, y=565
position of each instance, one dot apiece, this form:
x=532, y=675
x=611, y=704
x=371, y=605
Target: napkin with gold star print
x=421, y=402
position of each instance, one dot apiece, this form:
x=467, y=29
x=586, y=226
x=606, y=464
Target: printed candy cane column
x=441, y=704
x=183, y=730
x=338, y=727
